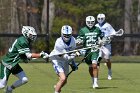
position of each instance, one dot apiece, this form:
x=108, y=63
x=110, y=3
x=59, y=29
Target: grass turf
x=42, y=78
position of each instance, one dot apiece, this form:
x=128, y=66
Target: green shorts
x=6, y=72
x=92, y=56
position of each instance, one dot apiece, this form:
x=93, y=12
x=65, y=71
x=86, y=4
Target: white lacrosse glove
x=69, y=57
x=82, y=52
x=79, y=41
x=44, y=55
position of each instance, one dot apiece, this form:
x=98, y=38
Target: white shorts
x=105, y=51
x=60, y=66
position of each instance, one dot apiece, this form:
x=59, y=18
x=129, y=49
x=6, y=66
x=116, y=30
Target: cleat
x=109, y=77
x=95, y=85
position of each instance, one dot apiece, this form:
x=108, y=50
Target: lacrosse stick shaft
x=72, y=70
x=72, y=51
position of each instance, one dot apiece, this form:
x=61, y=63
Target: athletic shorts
x=92, y=56
x=60, y=66
x=6, y=72
x=106, y=51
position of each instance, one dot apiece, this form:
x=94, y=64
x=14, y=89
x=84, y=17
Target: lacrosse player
x=63, y=44
x=20, y=50
x=108, y=30
x=88, y=36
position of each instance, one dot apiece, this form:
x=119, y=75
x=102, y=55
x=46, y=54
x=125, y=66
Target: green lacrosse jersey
x=16, y=52
x=89, y=36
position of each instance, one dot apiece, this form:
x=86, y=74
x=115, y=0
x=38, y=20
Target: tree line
x=119, y=13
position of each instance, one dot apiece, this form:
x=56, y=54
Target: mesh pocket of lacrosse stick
x=119, y=32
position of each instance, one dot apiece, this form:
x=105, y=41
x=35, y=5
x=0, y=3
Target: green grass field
x=126, y=79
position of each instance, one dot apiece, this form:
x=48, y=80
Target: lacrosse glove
x=44, y=55
x=68, y=57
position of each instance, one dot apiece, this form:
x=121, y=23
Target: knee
x=94, y=66
x=24, y=80
x=63, y=79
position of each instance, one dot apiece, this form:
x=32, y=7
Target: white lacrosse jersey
x=59, y=63
x=61, y=47
x=107, y=29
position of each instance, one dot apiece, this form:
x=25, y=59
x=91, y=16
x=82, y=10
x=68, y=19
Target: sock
x=95, y=80
x=56, y=92
x=109, y=72
x=92, y=78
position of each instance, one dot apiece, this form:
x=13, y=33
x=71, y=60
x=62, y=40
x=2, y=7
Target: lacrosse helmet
x=29, y=32
x=101, y=18
x=66, y=32
x=90, y=21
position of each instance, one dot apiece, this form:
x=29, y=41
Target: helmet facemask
x=100, y=18
x=32, y=37
x=66, y=33
x=66, y=37
x=90, y=21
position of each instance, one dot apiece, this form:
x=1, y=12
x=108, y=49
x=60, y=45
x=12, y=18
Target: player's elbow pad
x=28, y=55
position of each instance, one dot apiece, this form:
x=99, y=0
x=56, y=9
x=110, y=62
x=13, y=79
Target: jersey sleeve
x=23, y=46
x=59, y=47
x=112, y=30
x=81, y=35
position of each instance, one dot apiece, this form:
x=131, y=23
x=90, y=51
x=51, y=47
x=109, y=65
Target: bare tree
x=139, y=15
x=14, y=17
x=127, y=43
x=44, y=16
x=137, y=41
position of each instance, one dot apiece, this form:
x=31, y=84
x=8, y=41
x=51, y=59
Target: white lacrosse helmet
x=101, y=18
x=66, y=32
x=90, y=21
x=29, y=32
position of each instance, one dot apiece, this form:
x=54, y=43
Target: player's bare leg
x=62, y=81
x=95, y=74
x=91, y=73
x=108, y=62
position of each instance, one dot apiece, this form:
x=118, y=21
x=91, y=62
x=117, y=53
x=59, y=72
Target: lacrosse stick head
x=119, y=32
x=66, y=32
x=90, y=21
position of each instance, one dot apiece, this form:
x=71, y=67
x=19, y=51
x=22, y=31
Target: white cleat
x=109, y=77
x=95, y=85
x=7, y=91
